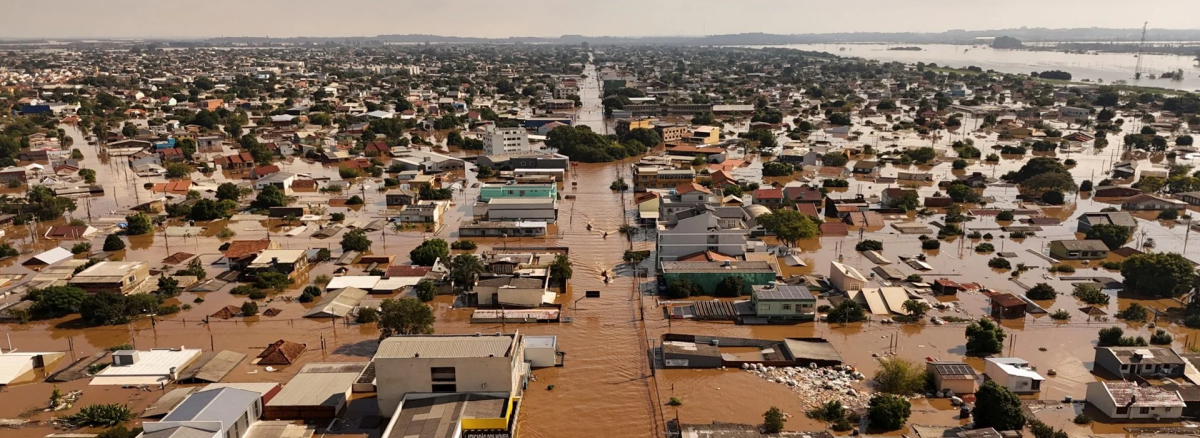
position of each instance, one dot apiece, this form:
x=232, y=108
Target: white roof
x=364, y=282
x=397, y=283
x=13, y=365
x=150, y=367
x=284, y=256
x=54, y=255
x=1011, y=366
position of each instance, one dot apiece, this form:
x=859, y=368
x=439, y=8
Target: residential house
x=803, y=194
x=1122, y=218
x=512, y=291
x=290, y=262
x=954, y=377
x=1144, y=202
x=1007, y=306
x=660, y=177
x=1148, y=362
x=423, y=213
x=845, y=278
x=155, y=367
x=1013, y=373
x=318, y=393
x=447, y=364
x=281, y=180
x=237, y=162
x=211, y=413
x=400, y=197
x=770, y=197
x=121, y=277
x=684, y=197
x=1128, y=401
x=783, y=302
x=1078, y=249
x=894, y=193
x=241, y=252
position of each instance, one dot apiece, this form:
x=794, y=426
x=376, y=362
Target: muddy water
x=607, y=376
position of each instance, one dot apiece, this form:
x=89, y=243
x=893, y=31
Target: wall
x=708, y=280
x=396, y=377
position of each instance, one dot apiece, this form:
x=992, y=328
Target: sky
x=21, y=19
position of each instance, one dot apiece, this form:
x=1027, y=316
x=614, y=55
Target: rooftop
x=319, y=384
x=109, y=269
x=446, y=346
x=1129, y=394
x=1145, y=355
x=783, y=292
x=439, y=417
x=698, y=267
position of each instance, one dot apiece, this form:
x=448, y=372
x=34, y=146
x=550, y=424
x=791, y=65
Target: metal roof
x=1082, y=245
x=783, y=292
x=225, y=405
x=338, y=303
x=446, y=346
x=317, y=388
x=212, y=366
x=740, y=266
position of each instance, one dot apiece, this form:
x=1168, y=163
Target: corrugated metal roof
x=452, y=346
x=338, y=303
x=315, y=389
x=225, y=405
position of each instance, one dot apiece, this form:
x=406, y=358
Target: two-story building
x=447, y=364
x=489, y=191
x=698, y=234
x=708, y=275
x=120, y=277
x=660, y=177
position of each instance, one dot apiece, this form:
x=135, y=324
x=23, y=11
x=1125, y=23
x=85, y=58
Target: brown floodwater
x=607, y=387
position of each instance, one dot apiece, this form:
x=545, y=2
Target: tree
x=560, y=270
x=869, y=245
x=984, y=338
x=960, y=192
x=998, y=408
x=206, y=210
x=648, y=137
x=834, y=159
x=129, y=130
x=168, y=287
x=1053, y=197
x=789, y=226
x=105, y=415
x=1110, y=336
x=178, y=170
x=463, y=268
x=776, y=168
x=909, y=201
x=959, y=164
x=773, y=420
x=55, y=301
x=429, y=252
x=89, y=175
x=1113, y=236
x=682, y=288
x=1090, y=293
x=1037, y=166
x=270, y=196
x=888, y=412
x=139, y=224
x=356, y=240
x=900, y=376
x=113, y=243
x=917, y=309
x=425, y=290
x=229, y=191
x=731, y=286
x=1037, y=185
x=1158, y=274
x=249, y=308
x=105, y=308
x=404, y=316
x=272, y=280
x=847, y=311
x=1041, y=291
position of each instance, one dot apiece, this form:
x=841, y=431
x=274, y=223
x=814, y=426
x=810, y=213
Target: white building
x=845, y=278
x=281, y=180
x=504, y=141
x=15, y=365
x=541, y=351
x=1127, y=400
x=423, y=364
x=698, y=234
x=1013, y=373
x=146, y=367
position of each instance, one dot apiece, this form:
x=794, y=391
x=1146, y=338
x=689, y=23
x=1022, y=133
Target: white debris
x=816, y=385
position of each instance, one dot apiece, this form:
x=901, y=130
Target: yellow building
x=706, y=135
x=626, y=125
x=660, y=177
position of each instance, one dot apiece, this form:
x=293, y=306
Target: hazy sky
x=503, y=18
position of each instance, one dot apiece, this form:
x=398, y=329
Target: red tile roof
x=834, y=229
x=406, y=271
x=691, y=187
x=768, y=194
x=241, y=248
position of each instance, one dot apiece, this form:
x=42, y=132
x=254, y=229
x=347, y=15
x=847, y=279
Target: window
x=1145, y=411
x=441, y=374
x=785, y=306
x=445, y=388
x=1122, y=410
x=766, y=307
x=1167, y=409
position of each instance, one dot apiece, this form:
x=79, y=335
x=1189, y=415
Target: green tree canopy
x=789, y=226
x=430, y=251
x=998, y=408
x=55, y=301
x=139, y=224
x=888, y=412
x=270, y=196
x=229, y=191
x=984, y=338
x=1113, y=236
x=405, y=316
x=1158, y=274
x=356, y=240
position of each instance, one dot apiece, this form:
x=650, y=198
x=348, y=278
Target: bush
x=257, y=294
x=1061, y=315
x=731, y=287
x=1085, y=186
x=1134, y=313
x=900, y=376
x=425, y=290
x=1041, y=291
x=869, y=245
x=312, y=290
x=272, y=280
x=984, y=247
x=675, y=401
x=249, y=308
x=1090, y=293
x=113, y=243
x=306, y=298
x=466, y=245
x=773, y=420
x=1082, y=419
x=1161, y=337
x=1005, y=215
x=367, y=315
x=959, y=164
x=682, y=289
x=354, y=200
x=1114, y=266
x=1169, y=214
x=999, y=263
x=931, y=244
x=167, y=309
x=105, y=415
x=337, y=217
x=1054, y=197
x=81, y=248
x=244, y=289
x=846, y=312
x=888, y=412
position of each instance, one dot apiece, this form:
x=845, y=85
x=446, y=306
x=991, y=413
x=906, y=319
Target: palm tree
x=463, y=268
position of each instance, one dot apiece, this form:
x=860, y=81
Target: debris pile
x=817, y=385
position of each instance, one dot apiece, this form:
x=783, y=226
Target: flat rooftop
x=446, y=346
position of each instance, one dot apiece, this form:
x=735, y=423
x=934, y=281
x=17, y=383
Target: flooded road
x=606, y=387
x=1107, y=66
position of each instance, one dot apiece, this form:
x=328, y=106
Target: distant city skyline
x=162, y=19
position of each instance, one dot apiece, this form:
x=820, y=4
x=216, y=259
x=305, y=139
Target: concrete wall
x=396, y=377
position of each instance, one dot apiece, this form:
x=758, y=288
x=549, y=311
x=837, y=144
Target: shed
x=1007, y=306
x=958, y=377
x=318, y=392
x=211, y=367
x=48, y=258
x=281, y=352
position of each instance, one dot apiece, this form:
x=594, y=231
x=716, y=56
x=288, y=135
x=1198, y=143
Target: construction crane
x=1137, y=71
